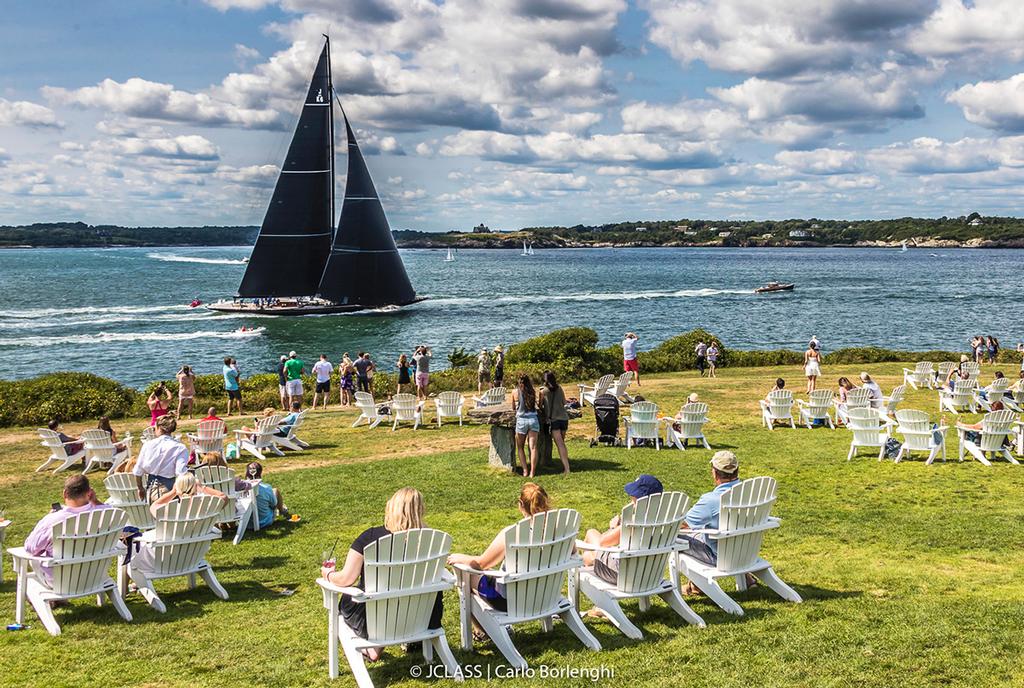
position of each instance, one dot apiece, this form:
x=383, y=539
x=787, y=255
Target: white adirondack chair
x=495, y=396
x=922, y=375
x=942, y=372
x=148, y=433
x=58, y=451
x=240, y=507
x=890, y=402
x=449, y=405
x=100, y=450
x=869, y=431
x=208, y=437
x=367, y=410
x=997, y=392
x=648, y=540
x=961, y=398
x=919, y=435
x=538, y=553
x=590, y=392
x=83, y=548
x=855, y=399
x=406, y=409
x=260, y=439
x=177, y=547
x=744, y=518
x=973, y=369
x=4, y=523
x=402, y=575
x=816, y=408
x=995, y=427
x=777, y=408
x=643, y=423
x=124, y=494
x=620, y=390
x=291, y=441
x=690, y=422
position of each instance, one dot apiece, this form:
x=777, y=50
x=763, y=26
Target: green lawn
x=911, y=574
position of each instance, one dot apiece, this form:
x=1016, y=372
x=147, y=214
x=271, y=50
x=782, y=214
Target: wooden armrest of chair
x=22, y=554
x=466, y=568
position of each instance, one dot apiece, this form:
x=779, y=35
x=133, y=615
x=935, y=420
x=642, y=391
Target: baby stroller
x=606, y=414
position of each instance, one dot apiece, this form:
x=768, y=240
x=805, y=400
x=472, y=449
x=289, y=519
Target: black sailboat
x=300, y=265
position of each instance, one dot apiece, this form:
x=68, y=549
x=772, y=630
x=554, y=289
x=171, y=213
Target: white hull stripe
x=317, y=105
x=303, y=171
x=363, y=250
x=361, y=198
x=295, y=236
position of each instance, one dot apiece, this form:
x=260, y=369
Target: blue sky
x=519, y=112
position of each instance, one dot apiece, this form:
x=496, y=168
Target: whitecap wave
x=589, y=296
x=173, y=258
x=100, y=319
x=110, y=337
x=77, y=310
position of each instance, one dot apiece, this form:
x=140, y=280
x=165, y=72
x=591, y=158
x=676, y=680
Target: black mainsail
x=295, y=238
x=364, y=267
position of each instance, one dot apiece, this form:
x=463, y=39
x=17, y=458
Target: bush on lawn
x=64, y=396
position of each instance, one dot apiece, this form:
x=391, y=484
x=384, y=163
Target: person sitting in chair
x=285, y=426
x=606, y=566
x=79, y=498
x=269, y=500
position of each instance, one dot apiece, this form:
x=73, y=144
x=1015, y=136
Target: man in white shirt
x=630, y=364
x=161, y=460
x=322, y=369
x=872, y=386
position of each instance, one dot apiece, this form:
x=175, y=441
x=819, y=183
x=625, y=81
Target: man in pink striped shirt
x=79, y=498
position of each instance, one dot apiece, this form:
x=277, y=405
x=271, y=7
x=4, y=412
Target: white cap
x=292, y=354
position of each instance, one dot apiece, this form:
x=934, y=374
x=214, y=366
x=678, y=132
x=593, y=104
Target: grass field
x=911, y=574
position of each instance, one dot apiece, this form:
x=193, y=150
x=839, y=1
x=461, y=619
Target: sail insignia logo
x=319, y=95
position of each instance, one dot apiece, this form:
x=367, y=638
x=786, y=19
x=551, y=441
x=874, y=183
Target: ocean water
x=123, y=312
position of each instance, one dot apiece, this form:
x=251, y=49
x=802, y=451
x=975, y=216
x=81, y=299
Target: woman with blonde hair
x=186, y=486
x=532, y=500
x=404, y=511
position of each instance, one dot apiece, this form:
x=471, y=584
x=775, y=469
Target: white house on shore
x=799, y=234
x=976, y=222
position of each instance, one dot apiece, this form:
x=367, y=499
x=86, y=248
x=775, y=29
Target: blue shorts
x=526, y=423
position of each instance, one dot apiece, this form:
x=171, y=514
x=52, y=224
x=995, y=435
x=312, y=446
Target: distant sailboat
x=525, y=252
x=303, y=265
x=529, y=251
x=904, y=248
x=450, y=258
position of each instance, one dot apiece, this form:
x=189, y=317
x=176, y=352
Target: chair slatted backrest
x=222, y=479
x=296, y=424
x=366, y=405
x=183, y=533
x=643, y=419
x=780, y=403
x=621, y=385
x=124, y=494
x=51, y=440
x=533, y=545
x=819, y=402
x=209, y=436
x=404, y=407
x=995, y=426
x=692, y=418
x=493, y=397
x=449, y=403
x=602, y=385
x=745, y=509
x=98, y=445
x=945, y=368
x=650, y=525
x=972, y=368
x=404, y=561
x=923, y=369
x=963, y=393
x=916, y=429
x=265, y=429
x=83, y=547
x=858, y=398
x=866, y=426
x=997, y=390
x=896, y=396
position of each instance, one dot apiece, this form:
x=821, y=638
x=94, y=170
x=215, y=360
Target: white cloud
x=972, y=27
x=24, y=113
x=192, y=147
x=693, y=120
x=261, y=176
x=225, y=5
x=823, y=161
x=993, y=104
x=927, y=155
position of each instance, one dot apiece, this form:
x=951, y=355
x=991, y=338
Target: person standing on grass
x=712, y=355
x=282, y=383
x=232, y=380
x=293, y=370
x=551, y=398
x=404, y=378
x=701, y=350
x=322, y=369
x=524, y=401
x=483, y=370
x=186, y=390
x=346, y=381
x=630, y=364
x=422, y=358
x=812, y=367
x=159, y=403
x=499, y=366
x=363, y=366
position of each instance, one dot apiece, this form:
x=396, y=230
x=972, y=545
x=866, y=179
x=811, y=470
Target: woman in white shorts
x=812, y=367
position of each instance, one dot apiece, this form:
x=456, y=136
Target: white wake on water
x=613, y=296
x=108, y=337
x=173, y=258
x=52, y=322
x=99, y=310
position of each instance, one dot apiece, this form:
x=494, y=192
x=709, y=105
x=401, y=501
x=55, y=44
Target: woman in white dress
x=812, y=367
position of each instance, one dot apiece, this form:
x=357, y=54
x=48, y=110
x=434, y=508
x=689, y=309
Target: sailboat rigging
x=301, y=264
x=450, y=258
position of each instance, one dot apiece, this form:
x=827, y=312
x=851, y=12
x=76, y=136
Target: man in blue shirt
x=231, y=383
x=268, y=499
x=285, y=426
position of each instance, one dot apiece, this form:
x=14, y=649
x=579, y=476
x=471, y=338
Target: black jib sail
x=365, y=267
x=295, y=239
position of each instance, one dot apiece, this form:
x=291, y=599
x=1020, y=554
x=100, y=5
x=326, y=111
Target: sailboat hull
x=299, y=309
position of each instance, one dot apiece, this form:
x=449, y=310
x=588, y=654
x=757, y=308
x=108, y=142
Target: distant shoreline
x=440, y=246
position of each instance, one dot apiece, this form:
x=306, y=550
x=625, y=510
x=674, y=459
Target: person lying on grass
x=404, y=511
x=725, y=471
x=532, y=500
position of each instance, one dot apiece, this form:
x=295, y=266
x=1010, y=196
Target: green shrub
x=64, y=396
x=678, y=353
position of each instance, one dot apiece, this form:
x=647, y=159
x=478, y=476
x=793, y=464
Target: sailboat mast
x=330, y=99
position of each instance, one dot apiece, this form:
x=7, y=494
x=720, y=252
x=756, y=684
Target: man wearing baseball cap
x=606, y=567
x=725, y=470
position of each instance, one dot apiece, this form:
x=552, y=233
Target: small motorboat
x=774, y=286
x=196, y=303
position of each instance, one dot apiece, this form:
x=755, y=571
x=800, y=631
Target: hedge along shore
x=572, y=353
